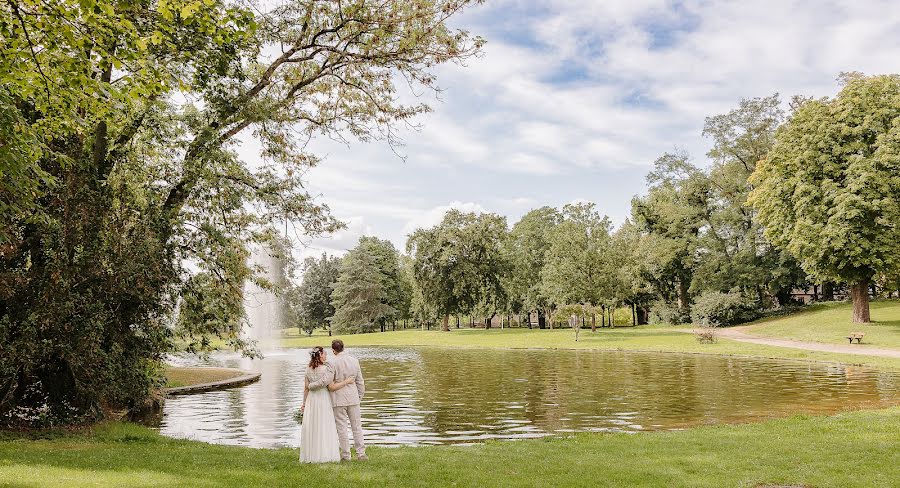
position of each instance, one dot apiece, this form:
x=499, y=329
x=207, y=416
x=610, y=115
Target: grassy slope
x=177, y=376
x=647, y=338
x=830, y=323
x=852, y=449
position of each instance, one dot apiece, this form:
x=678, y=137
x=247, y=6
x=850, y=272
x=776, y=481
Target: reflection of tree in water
x=496, y=390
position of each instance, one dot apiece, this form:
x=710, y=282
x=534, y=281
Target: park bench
x=856, y=335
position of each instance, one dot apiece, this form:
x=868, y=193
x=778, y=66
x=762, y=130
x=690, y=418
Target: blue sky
x=573, y=100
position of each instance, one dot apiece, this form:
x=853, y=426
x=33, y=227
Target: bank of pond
x=852, y=449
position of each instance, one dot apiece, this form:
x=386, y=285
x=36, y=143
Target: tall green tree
x=387, y=259
x=736, y=254
x=310, y=302
x=128, y=114
x=459, y=263
x=671, y=216
x=829, y=190
x=359, y=297
x=526, y=251
x=575, y=269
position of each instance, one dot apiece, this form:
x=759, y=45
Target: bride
x=318, y=433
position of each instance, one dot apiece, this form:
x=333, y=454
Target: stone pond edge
x=245, y=379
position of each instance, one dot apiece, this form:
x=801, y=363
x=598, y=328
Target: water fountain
x=264, y=309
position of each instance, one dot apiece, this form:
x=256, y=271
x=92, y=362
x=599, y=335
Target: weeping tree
x=130, y=199
x=829, y=190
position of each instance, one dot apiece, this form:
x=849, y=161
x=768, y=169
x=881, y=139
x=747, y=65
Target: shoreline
x=242, y=379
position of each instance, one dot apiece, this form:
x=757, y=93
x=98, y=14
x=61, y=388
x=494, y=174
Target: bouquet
x=298, y=415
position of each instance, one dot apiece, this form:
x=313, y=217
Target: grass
x=641, y=338
x=178, y=376
x=830, y=323
x=848, y=450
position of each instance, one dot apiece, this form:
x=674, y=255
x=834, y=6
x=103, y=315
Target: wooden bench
x=856, y=335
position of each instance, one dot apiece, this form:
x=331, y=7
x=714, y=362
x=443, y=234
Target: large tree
x=671, y=216
x=459, y=263
x=526, y=251
x=311, y=301
x=829, y=190
x=387, y=259
x=126, y=116
x=736, y=254
x=576, y=269
x=360, y=296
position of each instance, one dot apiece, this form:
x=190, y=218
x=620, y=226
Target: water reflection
x=439, y=396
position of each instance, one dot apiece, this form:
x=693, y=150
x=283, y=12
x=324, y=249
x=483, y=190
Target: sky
x=574, y=100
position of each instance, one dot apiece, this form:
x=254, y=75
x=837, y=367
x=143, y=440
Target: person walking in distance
x=345, y=401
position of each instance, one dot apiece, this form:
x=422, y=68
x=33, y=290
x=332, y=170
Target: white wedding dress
x=318, y=433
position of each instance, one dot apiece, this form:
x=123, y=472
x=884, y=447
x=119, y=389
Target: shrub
x=717, y=309
x=706, y=335
x=666, y=313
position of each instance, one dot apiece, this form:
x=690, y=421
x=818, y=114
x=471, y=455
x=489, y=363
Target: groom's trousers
x=349, y=415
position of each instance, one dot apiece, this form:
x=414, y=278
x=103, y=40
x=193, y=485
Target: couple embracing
x=334, y=388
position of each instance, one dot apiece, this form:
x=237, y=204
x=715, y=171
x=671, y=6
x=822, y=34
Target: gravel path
x=741, y=334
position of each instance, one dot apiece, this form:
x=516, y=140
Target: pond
x=419, y=396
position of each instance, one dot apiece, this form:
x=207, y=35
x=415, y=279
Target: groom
x=346, y=400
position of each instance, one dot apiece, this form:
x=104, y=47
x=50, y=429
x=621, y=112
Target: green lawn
x=831, y=323
x=851, y=449
x=642, y=338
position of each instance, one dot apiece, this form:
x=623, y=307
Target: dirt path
x=740, y=334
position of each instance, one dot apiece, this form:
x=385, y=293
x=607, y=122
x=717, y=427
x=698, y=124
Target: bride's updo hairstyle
x=316, y=358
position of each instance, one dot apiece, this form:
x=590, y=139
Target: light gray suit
x=346, y=400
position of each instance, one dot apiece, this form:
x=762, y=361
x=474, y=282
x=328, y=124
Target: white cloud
x=577, y=98
x=433, y=217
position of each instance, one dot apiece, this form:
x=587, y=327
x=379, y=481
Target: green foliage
x=662, y=312
x=671, y=216
x=576, y=268
x=717, y=309
x=397, y=293
x=121, y=191
x=829, y=191
x=310, y=305
x=526, y=250
x=359, y=297
x=459, y=264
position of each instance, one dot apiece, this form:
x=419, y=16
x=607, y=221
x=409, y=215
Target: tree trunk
x=603, y=316
x=542, y=321
x=593, y=322
x=612, y=312
x=643, y=316
x=446, y=325
x=815, y=292
x=457, y=321
x=683, y=297
x=633, y=314
x=859, y=293
x=827, y=291
x=549, y=314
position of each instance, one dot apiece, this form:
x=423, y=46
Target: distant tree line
x=809, y=200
